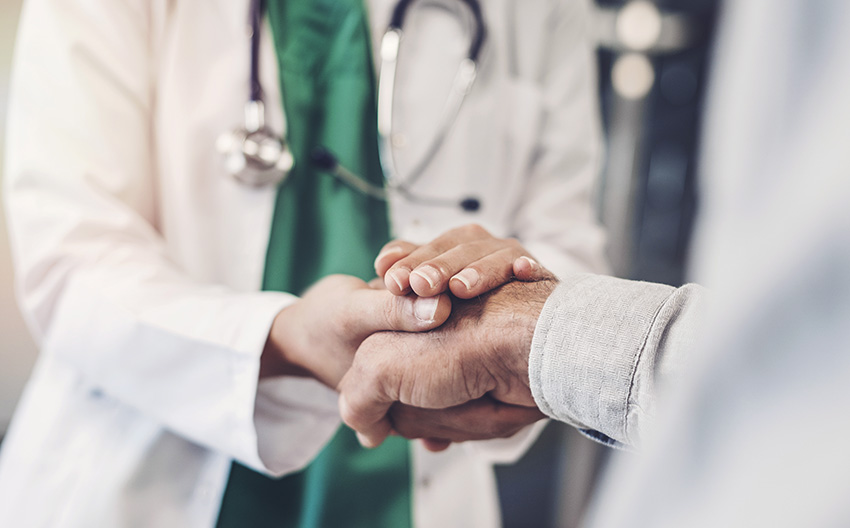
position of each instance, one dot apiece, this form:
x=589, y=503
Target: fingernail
x=430, y=274
x=531, y=262
x=396, y=277
x=365, y=441
x=425, y=308
x=469, y=277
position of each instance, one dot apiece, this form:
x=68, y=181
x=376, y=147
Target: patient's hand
x=468, y=261
x=481, y=351
x=481, y=419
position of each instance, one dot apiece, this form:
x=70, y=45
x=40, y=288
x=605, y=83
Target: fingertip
x=367, y=441
x=398, y=281
x=420, y=285
x=466, y=284
x=426, y=281
x=429, y=312
x=444, y=309
x=390, y=254
x=435, y=445
x=526, y=269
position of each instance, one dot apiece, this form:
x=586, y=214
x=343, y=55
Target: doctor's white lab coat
x=139, y=261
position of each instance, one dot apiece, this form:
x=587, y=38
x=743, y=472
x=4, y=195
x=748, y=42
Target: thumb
x=373, y=311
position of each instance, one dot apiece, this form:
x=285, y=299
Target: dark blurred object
x=551, y=485
x=653, y=59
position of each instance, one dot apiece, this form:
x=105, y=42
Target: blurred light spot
x=639, y=25
x=632, y=76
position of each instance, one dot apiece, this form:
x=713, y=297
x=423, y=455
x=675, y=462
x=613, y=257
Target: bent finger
x=391, y=253
x=435, y=445
x=432, y=276
x=366, y=414
x=397, y=277
x=480, y=419
x=486, y=274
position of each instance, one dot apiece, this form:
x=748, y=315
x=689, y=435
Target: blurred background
x=652, y=74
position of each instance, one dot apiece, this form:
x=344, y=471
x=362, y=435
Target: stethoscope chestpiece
x=254, y=155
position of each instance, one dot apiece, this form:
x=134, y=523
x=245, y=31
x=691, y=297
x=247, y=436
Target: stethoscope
x=257, y=157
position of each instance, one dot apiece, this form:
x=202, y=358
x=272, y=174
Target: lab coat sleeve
x=604, y=347
x=556, y=218
x=94, y=275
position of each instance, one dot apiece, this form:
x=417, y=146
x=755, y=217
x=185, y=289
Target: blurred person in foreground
x=751, y=429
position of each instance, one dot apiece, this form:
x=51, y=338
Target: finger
x=397, y=277
x=480, y=419
x=435, y=445
x=432, y=276
x=486, y=274
x=367, y=311
x=365, y=412
x=391, y=253
x=527, y=269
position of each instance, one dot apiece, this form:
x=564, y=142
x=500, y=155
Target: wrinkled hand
x=319, y=334
x=481, y=419
x=468, y=261
x=481, y=351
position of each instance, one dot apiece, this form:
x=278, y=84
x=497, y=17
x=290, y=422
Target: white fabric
x=755, y=436
x=139, y=260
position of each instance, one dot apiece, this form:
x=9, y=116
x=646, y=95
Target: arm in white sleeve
x=556, y=220
x=603, y=347
x=94, y=275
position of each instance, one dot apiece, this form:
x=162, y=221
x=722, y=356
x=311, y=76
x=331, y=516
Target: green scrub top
x=322, y=227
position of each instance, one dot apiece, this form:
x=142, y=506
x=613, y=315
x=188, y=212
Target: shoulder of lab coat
x=94, y=276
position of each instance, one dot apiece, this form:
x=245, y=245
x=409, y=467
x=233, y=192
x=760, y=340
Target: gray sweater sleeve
x=603, y=345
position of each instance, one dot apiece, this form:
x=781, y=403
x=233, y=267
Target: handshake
x=436, y=348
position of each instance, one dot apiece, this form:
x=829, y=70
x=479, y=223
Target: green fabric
x=322, y=227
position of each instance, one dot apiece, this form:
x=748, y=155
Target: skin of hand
x=482, y=350
x=468, y=261
x=481, y=419
x=319, y=334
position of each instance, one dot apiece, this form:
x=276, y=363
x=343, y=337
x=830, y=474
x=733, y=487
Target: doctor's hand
x=468, y=261
x=318, y=335
x=481, y=351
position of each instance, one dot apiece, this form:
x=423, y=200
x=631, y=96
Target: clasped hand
x=436, y=348
x=467, y=379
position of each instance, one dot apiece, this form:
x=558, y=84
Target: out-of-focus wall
x=17, y=351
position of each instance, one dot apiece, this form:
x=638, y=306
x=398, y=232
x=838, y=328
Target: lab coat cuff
x=507, y=450
x=283, y=422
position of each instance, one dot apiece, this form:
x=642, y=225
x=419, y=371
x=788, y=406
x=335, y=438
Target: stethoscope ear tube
x=477, y=42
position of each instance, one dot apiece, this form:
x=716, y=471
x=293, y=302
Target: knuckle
x=475, y=230
x=392, y=312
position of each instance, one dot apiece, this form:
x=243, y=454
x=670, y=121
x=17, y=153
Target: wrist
x=519, y=321
x=279, y=356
